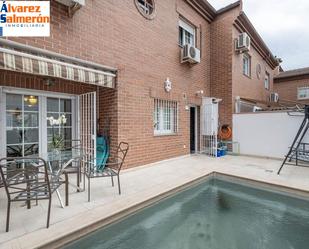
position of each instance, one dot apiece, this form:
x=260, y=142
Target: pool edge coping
x=284, y=189
x=123, y=214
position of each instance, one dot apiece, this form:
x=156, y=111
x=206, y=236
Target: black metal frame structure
x=75, y=166
x=298, y=150
x=111, y=169
x=27, y=179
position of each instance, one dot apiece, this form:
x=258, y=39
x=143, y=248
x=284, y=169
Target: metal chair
x=111, y=169
x=26, y=179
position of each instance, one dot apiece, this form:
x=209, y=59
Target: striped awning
x=14, y=60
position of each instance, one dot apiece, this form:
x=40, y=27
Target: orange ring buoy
x=225, y=132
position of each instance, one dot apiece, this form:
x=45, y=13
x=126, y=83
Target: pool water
x=215, y=214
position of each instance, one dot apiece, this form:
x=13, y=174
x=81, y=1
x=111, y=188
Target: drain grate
x=269, y=171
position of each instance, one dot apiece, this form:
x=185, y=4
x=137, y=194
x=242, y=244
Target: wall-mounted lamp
x=185, y=98
x=215, y=100
x=199, y=93
x=48, y=81
x=167, y=85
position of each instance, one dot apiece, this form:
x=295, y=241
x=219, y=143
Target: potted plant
x=57, y=142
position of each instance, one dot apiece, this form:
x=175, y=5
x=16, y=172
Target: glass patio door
x=24, y=128
x=57, y=107
x=22, y=125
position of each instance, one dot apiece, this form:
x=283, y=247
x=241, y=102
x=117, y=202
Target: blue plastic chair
x=102, y=153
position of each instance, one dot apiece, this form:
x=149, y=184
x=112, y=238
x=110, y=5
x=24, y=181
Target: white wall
x=266, y=134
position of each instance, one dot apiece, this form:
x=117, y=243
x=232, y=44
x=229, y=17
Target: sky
x=283, y=25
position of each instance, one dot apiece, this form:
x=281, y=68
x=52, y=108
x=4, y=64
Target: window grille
x=165, y=117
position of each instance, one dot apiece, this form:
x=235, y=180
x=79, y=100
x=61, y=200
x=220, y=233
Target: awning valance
x=45, y=66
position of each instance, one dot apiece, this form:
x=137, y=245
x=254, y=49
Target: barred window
x=165, y=117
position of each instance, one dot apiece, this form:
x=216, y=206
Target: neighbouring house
x=293, y=85
x=239, y=73
x=134, y=70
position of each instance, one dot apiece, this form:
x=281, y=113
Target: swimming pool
x=215, y=214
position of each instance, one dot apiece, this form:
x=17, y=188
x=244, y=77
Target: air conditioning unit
x=71, y=3
x=190, y=54
x=243, y=42
x=274, y=97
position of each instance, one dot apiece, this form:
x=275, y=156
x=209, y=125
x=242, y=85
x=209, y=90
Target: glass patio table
x=59, y=160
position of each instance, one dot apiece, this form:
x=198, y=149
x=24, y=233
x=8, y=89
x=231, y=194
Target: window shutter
x=187, y=27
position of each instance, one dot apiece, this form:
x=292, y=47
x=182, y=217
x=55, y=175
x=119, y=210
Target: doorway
x=193, y=129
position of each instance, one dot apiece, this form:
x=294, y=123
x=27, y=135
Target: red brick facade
x=227, y=78
x=221, y=63
x=287, y=88
x=145, y=53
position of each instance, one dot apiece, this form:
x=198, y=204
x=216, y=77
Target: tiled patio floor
x=27, y=227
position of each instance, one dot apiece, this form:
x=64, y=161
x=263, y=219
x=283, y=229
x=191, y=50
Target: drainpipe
x=237, y=104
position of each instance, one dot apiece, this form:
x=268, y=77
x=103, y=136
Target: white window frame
x=42, y=95
x=246, y=67
x=23, y=112
x=58, y=112
x=186, y=29
x=305, y=94
x=267, y=80
x=165, y=117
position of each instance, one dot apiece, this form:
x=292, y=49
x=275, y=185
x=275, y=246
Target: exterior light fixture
x=199, y=93
x=48, y=81
x=185, y=98
x=167, y=85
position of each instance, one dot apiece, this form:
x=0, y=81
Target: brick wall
x=250, y=87
x=145, y=52
x=287, y=89
x=144, y=78
x=221, y=63
x=107, y=107
x=227, y=79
